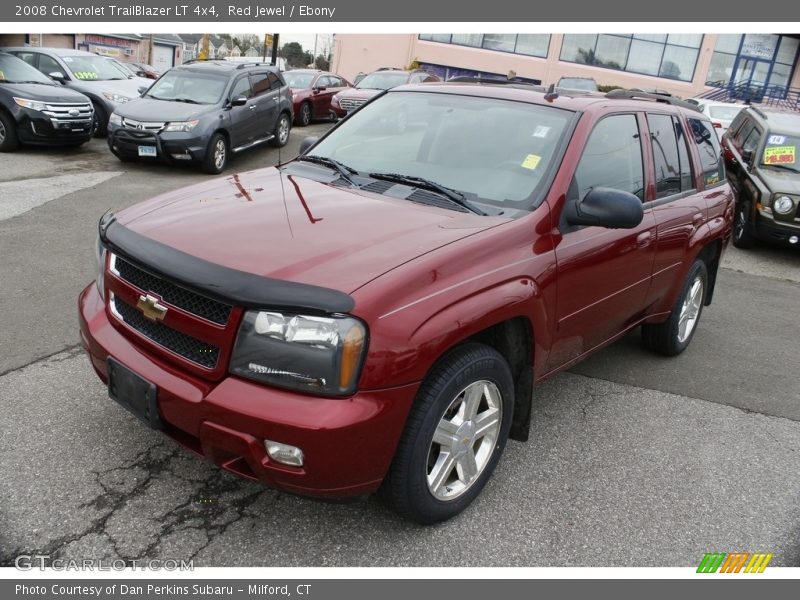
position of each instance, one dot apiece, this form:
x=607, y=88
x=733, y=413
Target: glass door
x=750, y=78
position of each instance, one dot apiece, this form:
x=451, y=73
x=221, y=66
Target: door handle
x=252, y=106
x=697, y=219
x=276, y=99
x=643, y=239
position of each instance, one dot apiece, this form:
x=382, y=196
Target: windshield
x=576, y=83
x=93, y=68
x=193, y=87
x=724, y=113
x=15, y=70
x=125, y=69
x=495, y=150
x=298, y=80
x=781, y=151
x=383, y=80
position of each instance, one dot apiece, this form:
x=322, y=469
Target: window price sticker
x=776, y=139
x=779, y=155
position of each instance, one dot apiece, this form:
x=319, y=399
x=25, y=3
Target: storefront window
x=721, y=69
x=645, y=57
x=468, y=39
x=678, y=63
x=499, y=41
x=787, y=51
x=535, y=44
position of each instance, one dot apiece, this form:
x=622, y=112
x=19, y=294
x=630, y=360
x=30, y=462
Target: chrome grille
x=68, y=112
x=350, y=103
x=143, y=125
x=192, y=302
x=190, y=348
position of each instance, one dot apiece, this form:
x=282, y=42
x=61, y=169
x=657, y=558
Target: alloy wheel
x=690, y=310
x=219, y=153
x=283, y=130
x=2, y=133
x=464, y=440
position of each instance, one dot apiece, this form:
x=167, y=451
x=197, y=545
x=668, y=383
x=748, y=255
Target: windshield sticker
x=531, y=162
x=85, y=75
x=66, y=58
x=779, y=155
x=2, y=76
x=541, y=131
x=776, y=139
x=712, y=178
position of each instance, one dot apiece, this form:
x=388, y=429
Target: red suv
x=373, y=315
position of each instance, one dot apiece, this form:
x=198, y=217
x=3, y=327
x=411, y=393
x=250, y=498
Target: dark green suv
x=760, y=150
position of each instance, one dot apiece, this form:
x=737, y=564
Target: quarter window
x=612, y=157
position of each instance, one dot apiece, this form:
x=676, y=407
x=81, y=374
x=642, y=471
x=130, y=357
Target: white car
x=720, y=113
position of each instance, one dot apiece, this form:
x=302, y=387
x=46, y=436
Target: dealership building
x=685, y=64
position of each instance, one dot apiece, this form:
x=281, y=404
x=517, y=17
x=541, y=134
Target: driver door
x=243, y=118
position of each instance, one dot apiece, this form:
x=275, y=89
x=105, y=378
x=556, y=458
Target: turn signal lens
x=351, y=357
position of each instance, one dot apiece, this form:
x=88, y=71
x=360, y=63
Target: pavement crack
x=73, y=350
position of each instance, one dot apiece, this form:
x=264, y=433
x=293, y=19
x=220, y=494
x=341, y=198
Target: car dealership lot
x=633, y=459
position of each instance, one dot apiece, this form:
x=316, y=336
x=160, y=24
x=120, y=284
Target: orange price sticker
x=779, y=155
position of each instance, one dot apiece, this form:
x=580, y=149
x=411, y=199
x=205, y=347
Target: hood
x=780, y=181
x=125, y=87
x=320, y=234
x=357, y=94
x=44, y=93
x=150, y=109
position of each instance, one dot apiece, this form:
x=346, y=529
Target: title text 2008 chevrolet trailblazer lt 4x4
x=372, y=315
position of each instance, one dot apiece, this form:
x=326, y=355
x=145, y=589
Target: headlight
x=335, y=100
x=181, y=125
x=115, y=119
x=118, y=98
x=100, y=263
x=320, y=355
x=32, y=104
x=783, y=205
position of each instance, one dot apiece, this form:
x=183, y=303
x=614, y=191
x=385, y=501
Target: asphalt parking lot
x=634, y=460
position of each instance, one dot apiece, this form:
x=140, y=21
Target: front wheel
x=454, y=436
x=216, y=157
x=672, y=337
x=742, y=238
x=99, y=121
x=8, y=134
x=281, y=132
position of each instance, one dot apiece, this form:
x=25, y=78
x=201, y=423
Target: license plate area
x=134, y=393
x=147, y=151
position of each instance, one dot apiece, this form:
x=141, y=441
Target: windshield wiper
x=343, y=170
x=187, y=100
x=453, y=195
x=780, y=166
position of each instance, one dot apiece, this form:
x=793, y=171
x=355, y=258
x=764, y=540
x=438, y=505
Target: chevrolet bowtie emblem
x=151, y=308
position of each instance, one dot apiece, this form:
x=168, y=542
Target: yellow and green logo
x=736, y=562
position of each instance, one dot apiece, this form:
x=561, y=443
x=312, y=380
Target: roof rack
x=666, y=98
x=203, y=60
x=478, y=79
x=260, y=63
x=760, y=112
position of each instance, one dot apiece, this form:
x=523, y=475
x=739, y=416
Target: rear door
x=603, y=274
x=266, y=94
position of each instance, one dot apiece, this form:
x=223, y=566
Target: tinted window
x=743, y=132
x=708, y=147
x=241, y=88
x=750, y=143
x=261, y=83
x=275, y=82
x=612, y=157
x=665, y=155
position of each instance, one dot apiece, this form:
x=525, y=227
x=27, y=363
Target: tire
x=281, y=132
x=216, y=158
x=425, y=482
x=100, y=121
x=332, y=116
x=8, y=134
x=672, y=337
x=742, y=238
x=304, y=117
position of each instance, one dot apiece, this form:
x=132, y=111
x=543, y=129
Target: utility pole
x=150, y=51
x=204, y=48
x=275, y=37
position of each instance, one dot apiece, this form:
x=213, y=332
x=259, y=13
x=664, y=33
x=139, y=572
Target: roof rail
x=666, y=98
x=760, y=112
x=254, y=64
x=202, y=60
x=478, y=79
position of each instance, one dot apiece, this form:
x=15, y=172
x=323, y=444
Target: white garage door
x=163, y=57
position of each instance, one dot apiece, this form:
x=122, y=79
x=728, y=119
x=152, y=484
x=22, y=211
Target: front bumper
x=348, y=443
x=171, y=147
x=33, y=127
x=770, y=230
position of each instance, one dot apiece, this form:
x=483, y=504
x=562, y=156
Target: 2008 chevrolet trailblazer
x=373, y=315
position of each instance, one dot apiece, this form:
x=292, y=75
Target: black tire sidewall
x=101, y=117
x=745, y=240
x=435, y=396
x=11, y=142
x=208, y=163
x=305, y=114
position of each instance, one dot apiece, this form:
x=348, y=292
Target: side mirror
x=319, y=89
x=142, y=90
x=58, y=76
x=307, y=143
x=747, y=156
x=606, y=207
x=238, y=101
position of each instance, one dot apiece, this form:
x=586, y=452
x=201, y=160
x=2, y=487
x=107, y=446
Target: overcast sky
x=306, y=40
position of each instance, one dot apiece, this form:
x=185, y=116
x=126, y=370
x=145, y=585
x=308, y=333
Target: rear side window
x=612, y=158
x=670, y=155
x=708, y=147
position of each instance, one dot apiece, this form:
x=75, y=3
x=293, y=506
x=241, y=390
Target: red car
x=312, y=91
x=373, y=315
x=148, y=71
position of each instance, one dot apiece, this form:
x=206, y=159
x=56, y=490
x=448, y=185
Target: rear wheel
x=672, y=337
x=281, y=132
x=742, y=238
x=216, y=158
x=454, y=436
x=8, y=134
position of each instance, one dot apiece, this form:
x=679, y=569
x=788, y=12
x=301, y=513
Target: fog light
x=284, y=453
x=794, y=239
x=184, y=156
